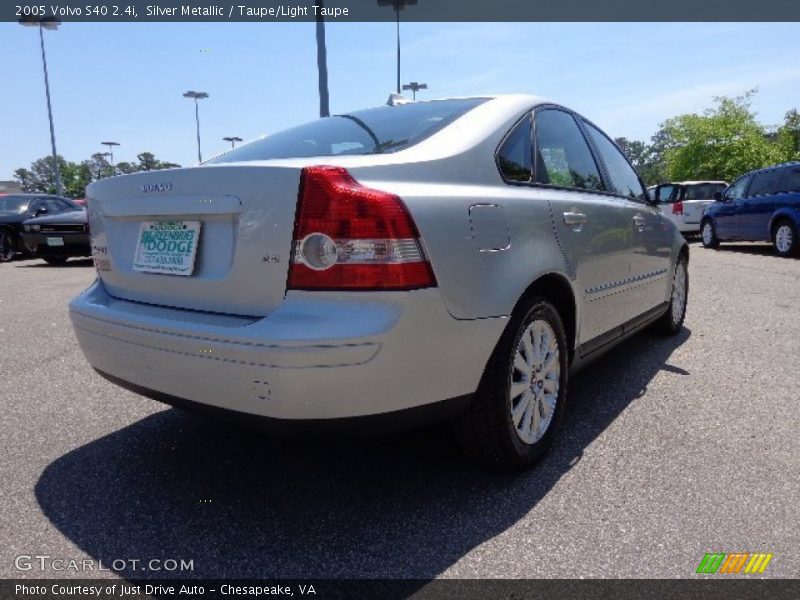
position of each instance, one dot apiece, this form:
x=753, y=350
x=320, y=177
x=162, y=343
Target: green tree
x=38, y=179
x=722, y=143
x=98, y=166
x=75, y=178
x=147, y=162
x=645, y=158
x=788, y=136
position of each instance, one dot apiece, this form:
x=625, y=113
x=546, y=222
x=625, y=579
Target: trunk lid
x=246, y=215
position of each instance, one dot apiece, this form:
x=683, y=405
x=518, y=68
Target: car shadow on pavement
x=749, y=248
x=240, y=504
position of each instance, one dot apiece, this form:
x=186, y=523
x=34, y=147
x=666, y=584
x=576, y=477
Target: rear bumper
x=318, y=356
x=682, y=225
x=75, y=244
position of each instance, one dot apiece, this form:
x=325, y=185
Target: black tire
x=672, y=320
x=784, y=231
x=708, y=238
x=486, y=431
x=56, y=261
x=6, y=246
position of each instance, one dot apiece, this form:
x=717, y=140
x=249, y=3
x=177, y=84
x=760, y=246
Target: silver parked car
x=447, y=259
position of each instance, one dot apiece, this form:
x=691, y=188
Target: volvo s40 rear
x=446, y=259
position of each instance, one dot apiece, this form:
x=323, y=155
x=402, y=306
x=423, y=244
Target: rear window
x=702, y=191
x=17, y=204
x=381, y=130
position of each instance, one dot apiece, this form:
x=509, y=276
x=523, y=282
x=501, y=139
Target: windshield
x=379, y=130
x=16, y=204
x=703, y=191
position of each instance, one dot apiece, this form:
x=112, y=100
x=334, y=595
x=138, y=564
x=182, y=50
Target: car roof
x=700, y=182
x=792, y=163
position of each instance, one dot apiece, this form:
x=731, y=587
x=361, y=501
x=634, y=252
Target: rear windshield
x=702, y=191
x=17, y=204
x=379, y=130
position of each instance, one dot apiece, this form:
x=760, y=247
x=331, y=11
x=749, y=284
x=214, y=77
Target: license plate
x=55, y=241
x=167, y=247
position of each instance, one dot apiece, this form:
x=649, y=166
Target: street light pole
x=232, y=139
x=397, y=5
x=322, y=63
x=197, y=96
x=48, y=23
x=415, y=87
x=110, y=146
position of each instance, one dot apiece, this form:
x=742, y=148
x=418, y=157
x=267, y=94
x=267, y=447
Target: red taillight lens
x=677, y=208
x=350, y=237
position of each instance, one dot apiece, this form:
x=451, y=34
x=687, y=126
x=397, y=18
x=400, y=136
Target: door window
x=737, y=188
x=624, y=180
x=563, y=157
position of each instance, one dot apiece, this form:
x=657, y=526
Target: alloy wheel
x=679, y=292
x=535, y=381
x=784, y=237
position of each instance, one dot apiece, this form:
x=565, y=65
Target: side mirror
x=718, y=197
x=42, y=211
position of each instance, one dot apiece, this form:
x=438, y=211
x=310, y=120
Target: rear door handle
x=575, y=220
x=639, y=222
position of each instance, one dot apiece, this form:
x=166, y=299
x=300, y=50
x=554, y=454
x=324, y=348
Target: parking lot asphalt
x=673, y=447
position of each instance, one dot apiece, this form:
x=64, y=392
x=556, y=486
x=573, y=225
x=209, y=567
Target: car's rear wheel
x=784, y=238
x=55, y=260
x=672, y=321
x=6, y=246
x=708, y=235
x=521, y=399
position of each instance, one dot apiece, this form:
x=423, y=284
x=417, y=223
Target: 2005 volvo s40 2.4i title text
x=446, y=259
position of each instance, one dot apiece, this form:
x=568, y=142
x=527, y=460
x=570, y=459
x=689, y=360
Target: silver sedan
x=451, y=259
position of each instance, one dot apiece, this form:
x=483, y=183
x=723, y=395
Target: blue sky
x=123, y=82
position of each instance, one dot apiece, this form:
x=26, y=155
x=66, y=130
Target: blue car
x=761, y=206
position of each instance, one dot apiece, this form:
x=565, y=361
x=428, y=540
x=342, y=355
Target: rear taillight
x=350, y=237
x=677, y=208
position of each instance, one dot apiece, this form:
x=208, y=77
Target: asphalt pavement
x=673, y=447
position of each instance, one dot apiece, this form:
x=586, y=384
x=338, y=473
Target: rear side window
x=379, y=130
x=764, y=182
x=702, y=191
x=514, y=157
x=790, y=180
x=563, y=157
x=624, y=180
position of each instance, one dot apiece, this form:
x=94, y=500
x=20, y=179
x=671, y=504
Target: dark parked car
x=15, y=209
x=762, y=205
x=55, y=238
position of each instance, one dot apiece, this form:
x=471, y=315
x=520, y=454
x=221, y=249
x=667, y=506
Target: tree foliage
x=147, y=162
x=39, y=178
x=722, y=143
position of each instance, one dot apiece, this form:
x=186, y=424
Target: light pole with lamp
x=110, y=146
x=415, y=87
x=232, y=139
x=397, y=5
x=197, y=96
